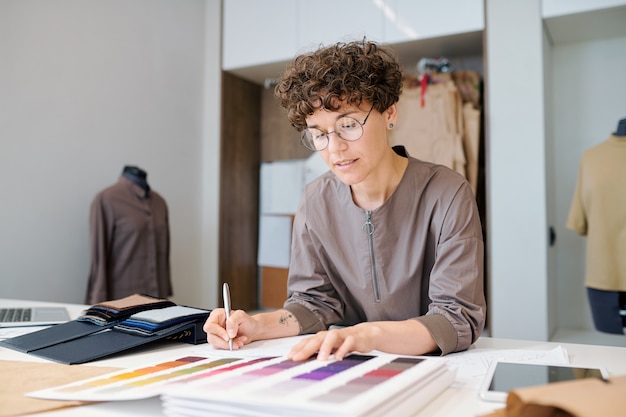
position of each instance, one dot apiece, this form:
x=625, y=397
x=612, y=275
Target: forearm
x=274, y=324
x=407, y=337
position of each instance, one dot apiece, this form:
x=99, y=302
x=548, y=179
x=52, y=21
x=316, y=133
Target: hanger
x=426, y=67
x=433, y=65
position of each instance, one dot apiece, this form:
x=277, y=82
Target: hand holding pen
x=228, y=329
x=232, y=329
x=226, y=296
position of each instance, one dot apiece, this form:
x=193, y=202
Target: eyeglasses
x=347, y=128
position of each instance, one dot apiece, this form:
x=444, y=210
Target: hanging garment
x=129, y=231
x=432, y=132
x=469, y=85
x=471, y=143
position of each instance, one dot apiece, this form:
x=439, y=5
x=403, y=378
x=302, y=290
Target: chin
x=347, y=179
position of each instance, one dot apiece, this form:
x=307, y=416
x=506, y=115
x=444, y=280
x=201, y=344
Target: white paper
x=259, y=348
x=282, y=185
x=274, y=241
x=472, y=365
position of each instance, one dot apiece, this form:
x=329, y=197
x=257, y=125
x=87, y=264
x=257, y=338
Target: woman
x=387, y=249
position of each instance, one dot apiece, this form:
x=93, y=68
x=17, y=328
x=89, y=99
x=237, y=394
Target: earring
x=390, y=125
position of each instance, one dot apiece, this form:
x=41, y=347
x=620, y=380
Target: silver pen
x=226, y=295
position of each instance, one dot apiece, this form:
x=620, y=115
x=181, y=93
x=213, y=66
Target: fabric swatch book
x=114, y=327
x=358, y=385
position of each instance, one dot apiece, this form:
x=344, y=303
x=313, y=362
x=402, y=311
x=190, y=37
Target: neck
x=137, y=179
x=371, y=197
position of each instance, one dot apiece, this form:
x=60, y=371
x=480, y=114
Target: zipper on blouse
x=368, y=228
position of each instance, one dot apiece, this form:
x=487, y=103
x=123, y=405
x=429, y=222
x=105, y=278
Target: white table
x=455, y=401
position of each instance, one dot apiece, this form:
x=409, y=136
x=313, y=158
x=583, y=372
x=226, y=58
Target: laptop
x=32, y=316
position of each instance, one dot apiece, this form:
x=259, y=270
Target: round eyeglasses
x=346, y=128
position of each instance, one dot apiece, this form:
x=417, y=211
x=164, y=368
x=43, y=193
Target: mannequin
x=599, y=213
x=129, y=236
x=138, y=176
x=621, y=128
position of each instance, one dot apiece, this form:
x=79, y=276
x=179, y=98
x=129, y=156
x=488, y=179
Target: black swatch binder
x=109, y=328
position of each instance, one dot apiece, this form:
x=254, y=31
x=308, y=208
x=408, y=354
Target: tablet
x=503, y=377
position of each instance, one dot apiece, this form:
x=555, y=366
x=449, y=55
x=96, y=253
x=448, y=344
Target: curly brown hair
x=344, y=73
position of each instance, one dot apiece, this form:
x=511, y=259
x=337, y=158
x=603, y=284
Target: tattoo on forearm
x=285, y=318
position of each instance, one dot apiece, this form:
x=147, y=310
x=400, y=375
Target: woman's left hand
x=406, y=337
x=340, y=342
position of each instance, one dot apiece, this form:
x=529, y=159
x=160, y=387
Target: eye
x=347, y=123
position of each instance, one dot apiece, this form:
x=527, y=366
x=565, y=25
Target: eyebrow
x=339, y=116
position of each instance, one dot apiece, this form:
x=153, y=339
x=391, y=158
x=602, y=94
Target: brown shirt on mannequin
x=129, y=232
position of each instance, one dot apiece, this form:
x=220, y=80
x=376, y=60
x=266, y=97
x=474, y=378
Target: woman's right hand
x=239, y=327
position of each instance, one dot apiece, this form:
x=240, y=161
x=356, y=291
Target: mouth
x=345, y=163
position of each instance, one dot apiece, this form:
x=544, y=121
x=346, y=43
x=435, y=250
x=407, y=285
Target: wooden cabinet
x=239, y=189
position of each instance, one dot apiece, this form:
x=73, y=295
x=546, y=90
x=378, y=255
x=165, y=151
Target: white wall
x=517, y=225
x=589, y=99
x=87, y=87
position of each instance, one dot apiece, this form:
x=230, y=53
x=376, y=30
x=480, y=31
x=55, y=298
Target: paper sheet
x=260, y=348
x=472, y=365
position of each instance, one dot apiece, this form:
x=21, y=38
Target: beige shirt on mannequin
x=598, y=211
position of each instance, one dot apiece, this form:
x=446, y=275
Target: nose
x=335, y=142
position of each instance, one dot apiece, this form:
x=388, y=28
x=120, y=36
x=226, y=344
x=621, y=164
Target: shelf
x=458, y=45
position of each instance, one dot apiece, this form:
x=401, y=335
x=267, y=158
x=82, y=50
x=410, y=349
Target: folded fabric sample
x=153, y=321
x=117, y=310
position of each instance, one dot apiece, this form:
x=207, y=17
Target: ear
x=391, y=115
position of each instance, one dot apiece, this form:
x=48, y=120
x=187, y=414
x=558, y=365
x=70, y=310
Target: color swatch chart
x=142, y=382
x=356, y=385
x=258, y=376
x=284, y=377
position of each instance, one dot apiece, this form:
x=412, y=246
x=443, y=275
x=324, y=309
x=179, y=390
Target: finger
x=331, y=341
x=217, y=315
x=217, y=342
x=306, y=348
x=239, y=342
x=345, y=348
x=237, y=324
x=232, y=324
x=214, y=326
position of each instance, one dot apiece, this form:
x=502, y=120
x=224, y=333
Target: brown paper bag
x=22, y=377
x=580, y=398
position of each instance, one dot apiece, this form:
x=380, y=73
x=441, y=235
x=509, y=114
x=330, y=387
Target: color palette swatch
x=355, y=385
x=358, y=385
x=146, y=381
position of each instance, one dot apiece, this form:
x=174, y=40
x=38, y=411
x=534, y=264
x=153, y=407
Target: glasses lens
x=314, y=139
x=348, y=128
